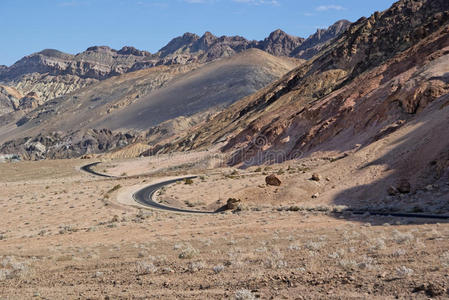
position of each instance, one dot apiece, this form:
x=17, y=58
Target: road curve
x=145, y=197
x=88, y=169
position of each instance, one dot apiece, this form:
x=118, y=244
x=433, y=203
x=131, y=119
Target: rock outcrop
x=314, y=43
x=58, y=145
x=51, y=73
x=272, y=180
x=370, y=81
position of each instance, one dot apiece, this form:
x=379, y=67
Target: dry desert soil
x=66, y=234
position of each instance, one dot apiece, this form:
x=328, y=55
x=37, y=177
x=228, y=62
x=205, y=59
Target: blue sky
x=28, y=26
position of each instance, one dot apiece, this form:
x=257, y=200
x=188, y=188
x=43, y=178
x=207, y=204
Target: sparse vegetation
x=114, y=188
x=187, y=251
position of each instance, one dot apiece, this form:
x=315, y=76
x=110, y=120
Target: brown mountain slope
x=362, y=86
x=145, y=98
x=51, y=73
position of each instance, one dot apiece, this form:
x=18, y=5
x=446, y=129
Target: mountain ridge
x=306, y=107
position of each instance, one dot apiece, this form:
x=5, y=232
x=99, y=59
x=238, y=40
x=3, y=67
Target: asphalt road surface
x=145, y=197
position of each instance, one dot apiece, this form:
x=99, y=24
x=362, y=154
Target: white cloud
x=72, y=3
x=308, y=14
x=200, y=1
x=329, y=7
x=258, y=2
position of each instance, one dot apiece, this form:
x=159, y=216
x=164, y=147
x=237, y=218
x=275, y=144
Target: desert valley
x=222, y=167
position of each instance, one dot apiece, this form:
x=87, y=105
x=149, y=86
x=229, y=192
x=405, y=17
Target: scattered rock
x=316, y=177
x=233, y=204
x=392, y=191
x=316, y=195
x=404, y=186
x=272, y=180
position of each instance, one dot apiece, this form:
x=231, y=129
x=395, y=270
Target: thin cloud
x=196, y=1
x=71, y=3
x=307, y=14
x=258, y=2
x=199, y=1
x=329, y=7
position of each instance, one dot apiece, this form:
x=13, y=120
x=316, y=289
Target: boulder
x=272, y=180
x=316, y=177
x=233, y=204
x=404, y=186
x=392, y=191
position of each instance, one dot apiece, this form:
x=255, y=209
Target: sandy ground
x=69, y=235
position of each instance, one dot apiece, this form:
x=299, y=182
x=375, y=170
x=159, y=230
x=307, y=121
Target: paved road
x=145, y=197
x=88, y=169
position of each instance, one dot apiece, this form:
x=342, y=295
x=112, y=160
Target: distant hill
x=51, y=73
x=140, y=100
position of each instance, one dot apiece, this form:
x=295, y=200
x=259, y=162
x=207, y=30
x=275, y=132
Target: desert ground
x=67, y=234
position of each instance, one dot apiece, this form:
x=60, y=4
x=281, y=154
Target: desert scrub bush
x=188, y=181
x=294, y=246
x=403, y=271
x=259, y=169
x=402, y=237
x=187, y=252
x=377, y=244
x=145, y=267
x=366, y=263
x=350, y=237
x=347, y=264
x=196, y=266
x=218, y=269
x=12, y=268
x=314, y=246
x=339, y=208
x=244, y=294
x=444, y=258
x=114, y=188
x=337, y=254
x=276, y=260
x=398, y=253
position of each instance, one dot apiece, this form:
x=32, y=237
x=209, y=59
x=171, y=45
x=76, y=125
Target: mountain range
x=379, y=84
x=51, y=73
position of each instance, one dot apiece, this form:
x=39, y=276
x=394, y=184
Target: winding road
x=145, y=197
x=88, y=169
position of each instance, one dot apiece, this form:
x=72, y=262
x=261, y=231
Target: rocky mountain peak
x=205, y=42
x=315, y=42
x=99, y=49
x=128, y=50
x=280, y=43
x=53, y=53
x=278, y=33
x=178, y=43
